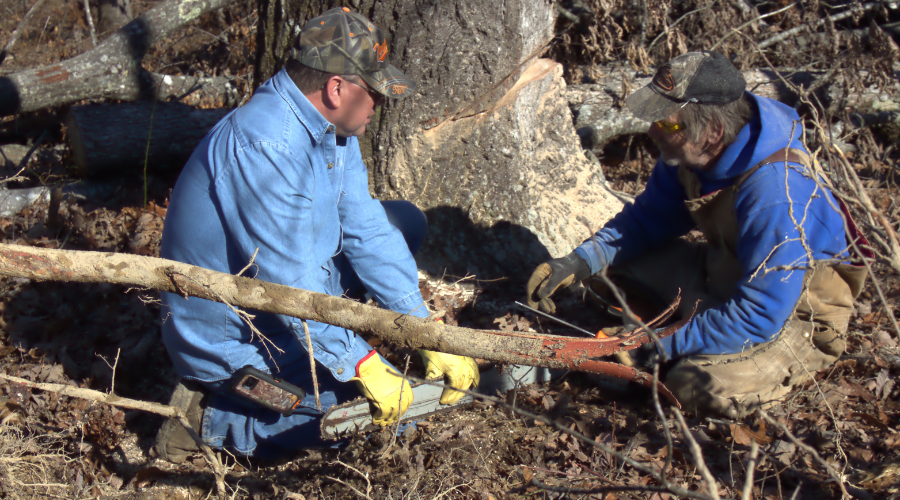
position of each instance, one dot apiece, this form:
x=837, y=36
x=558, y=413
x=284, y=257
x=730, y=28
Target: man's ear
x=332, y=92
x=714, y=133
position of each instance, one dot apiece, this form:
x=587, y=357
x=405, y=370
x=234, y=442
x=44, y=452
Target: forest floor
x=106, y=338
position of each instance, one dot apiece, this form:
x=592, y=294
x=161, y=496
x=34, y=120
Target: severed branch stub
x=550, y=351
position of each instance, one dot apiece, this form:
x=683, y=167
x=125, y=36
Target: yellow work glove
x=388, y=393
x=460, y=372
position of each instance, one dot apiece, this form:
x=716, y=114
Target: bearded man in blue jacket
x=280, y=182
x=773, y=277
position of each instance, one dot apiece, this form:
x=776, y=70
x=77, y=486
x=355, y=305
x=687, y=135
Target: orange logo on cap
x=381, y=50
x=398, y=89
x=663, y=78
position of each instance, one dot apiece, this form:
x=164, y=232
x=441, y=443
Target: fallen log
x=107, y=137
x=112, y=70
x=550, y=351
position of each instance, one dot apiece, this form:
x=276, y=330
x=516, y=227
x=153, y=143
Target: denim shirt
x=272, y=176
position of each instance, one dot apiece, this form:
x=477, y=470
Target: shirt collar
x=308, y=115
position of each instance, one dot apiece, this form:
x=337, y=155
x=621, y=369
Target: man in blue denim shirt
x=281, y=182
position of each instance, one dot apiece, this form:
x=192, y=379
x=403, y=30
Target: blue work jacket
x=767, y=205
x=272, y=176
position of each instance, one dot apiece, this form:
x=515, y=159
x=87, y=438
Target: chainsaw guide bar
x=354, y=417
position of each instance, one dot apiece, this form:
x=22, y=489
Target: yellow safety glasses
x=669, y=128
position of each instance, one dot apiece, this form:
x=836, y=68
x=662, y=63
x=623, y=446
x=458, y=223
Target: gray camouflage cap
x=696, y=77
x=345, y=43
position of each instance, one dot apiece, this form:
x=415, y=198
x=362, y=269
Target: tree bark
x=279, y=23
x=549, y=351
x=601, y=115
x=106, y=137
x=112, y=70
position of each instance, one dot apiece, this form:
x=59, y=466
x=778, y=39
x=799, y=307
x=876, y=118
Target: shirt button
x=331, y=165
x=340, y=371
x=330, y=128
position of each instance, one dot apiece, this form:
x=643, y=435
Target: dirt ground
x=106, y=338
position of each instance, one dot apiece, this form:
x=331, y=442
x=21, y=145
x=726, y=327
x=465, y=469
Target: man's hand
x=461, y=372
x=550, y=276
x=388, y=393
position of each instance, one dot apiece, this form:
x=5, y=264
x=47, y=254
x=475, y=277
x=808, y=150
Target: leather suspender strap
x=790, y=155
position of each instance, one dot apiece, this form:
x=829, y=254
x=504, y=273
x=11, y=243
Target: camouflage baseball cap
x=345, y=43
x=696, y=77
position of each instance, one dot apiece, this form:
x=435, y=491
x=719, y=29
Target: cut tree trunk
x=486, y=147
x=104, y=138
x=601, y=115
x=112, y=70
x=550, y=351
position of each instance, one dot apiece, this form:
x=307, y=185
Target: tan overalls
x=734, y=384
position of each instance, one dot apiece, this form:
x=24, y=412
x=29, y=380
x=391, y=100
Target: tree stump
x=486, y=147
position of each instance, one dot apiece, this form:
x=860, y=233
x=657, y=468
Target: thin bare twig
x=364, y=476
x=312, y=363
x=666, y=31
x=90, y=20
x=748, y=23
x=662, y=417
x=250, y=264
x=751, y=468
x=43, y=30
x=112, y=387
x=399, y=417
x=698, y=455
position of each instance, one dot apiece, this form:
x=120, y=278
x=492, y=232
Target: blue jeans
x=256, y=431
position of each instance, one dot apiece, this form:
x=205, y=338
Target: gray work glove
x=552, y=275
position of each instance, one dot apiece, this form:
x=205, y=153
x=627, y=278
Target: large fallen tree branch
x=112, y=70
x=549, y=351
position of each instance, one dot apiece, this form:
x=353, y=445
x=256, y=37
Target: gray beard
x=672, y=162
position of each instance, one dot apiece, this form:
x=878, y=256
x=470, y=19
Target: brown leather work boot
x=173, y=442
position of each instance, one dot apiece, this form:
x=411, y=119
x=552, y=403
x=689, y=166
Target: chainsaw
x=573, y=353
x=355, y=416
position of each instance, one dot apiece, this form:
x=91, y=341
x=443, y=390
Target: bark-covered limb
x=549, y=351
x=131, y=404
x=112, y=70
